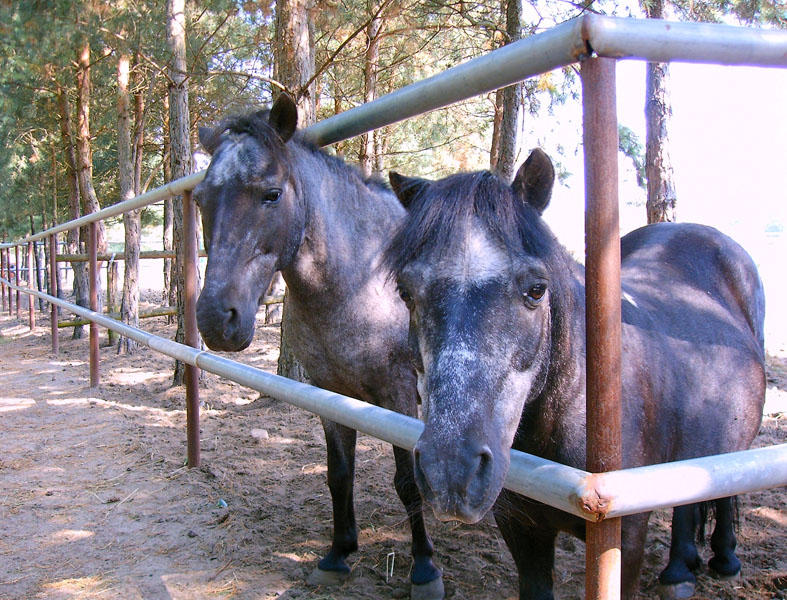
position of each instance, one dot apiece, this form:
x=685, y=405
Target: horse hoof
x=433, y=590
x=676, y=591
x=320, y=577
x=724, y=576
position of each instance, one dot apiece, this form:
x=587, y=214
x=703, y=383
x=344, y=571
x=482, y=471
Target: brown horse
x=272, y=202
x=497, y=321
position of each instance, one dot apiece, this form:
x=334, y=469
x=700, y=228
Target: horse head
x=472, y=264
x=251, y=217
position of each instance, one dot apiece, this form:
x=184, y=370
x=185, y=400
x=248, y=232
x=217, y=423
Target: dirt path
x=95, y=501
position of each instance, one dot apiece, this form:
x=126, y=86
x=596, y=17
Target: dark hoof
x=724, y=576
x=674, y=591
x=433, y=590
x=724, y=569
x=320, y=577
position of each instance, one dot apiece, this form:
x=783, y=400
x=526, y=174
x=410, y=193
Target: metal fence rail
x=628, y=492
x=595, y=42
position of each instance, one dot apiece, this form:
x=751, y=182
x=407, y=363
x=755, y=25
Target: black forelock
x=253, y=124
x=440, y=211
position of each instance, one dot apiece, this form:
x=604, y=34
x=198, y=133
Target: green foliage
x=230, y=69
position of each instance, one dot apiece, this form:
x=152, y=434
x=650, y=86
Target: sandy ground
x=96, y=503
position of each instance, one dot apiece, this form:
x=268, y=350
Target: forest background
x=86, y=89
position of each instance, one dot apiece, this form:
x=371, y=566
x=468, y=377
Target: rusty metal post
x=30, y=299
x=16, y=275
x=10, y=291
x=190, y=321
x=52, y=284
x=603, y=317
x=93, y=276
x=4, y=275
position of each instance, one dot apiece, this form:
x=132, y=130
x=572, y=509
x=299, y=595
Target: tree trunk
x=368, y=157
x=129, y=306
x=294, y=54
x=294, y=66
x=509, y=124
x=180, y=153
x=167, y=233
x=497, y=120
x=661, y=201
x=74, y=205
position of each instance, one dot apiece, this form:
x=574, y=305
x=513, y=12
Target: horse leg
x=677, y=579
x=532, y=547
x=724, y=563
x=340, y=444
x=426, y=578
x=634, y=530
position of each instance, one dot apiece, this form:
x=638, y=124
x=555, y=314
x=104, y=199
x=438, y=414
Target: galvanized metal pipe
x=656, y=40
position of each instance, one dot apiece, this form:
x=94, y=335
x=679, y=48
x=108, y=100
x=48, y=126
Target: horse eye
x=404, y=295
x=271, y=196
x=536, y=292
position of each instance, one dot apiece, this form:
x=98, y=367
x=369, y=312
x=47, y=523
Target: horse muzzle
x=225, y=325
x=457, y=485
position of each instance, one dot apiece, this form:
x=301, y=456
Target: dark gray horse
x=497, y=320
x=271, y=202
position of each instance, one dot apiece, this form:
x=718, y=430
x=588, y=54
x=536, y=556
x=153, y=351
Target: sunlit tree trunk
x=368, y=154
x=293, y=67
x=129, y=308
x=661, y=200
x=74, y=204
x=509, y=119
x=180, y=152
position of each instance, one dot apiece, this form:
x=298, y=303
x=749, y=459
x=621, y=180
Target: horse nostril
x=485, y=460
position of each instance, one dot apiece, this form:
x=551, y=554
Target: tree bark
x=180, y=154
x=129, y=306
x=509, y=123
x=294, y=54
x=167, y=233
x=74, y=204
x=661, y=201
x=368, y=156
x=293, y=67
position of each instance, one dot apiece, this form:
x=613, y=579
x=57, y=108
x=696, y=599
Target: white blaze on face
x=480, y=259
x=231, y=164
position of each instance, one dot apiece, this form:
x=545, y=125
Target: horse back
x=693, y=312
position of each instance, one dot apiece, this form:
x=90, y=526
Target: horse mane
x=255, y=124
x=442, y=208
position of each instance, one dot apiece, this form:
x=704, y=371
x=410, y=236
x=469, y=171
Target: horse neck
x=557, y=410
x=346, y=222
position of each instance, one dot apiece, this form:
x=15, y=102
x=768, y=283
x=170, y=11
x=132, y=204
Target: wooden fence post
x=30, y=299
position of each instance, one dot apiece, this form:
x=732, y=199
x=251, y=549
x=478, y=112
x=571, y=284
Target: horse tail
x=707, y=510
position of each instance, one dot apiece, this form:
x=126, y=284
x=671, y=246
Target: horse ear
x=208, y=140
x=284, y=116
x=534, y=180
x=406, y=188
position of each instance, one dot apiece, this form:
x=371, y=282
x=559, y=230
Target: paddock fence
x=600, y=495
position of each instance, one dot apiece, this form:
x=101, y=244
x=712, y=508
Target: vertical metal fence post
x=16, y=276
x=52, y=284
x=31, y=286
x=93, y=275
x=603, y=318
x=4, y=275
x=190, y=321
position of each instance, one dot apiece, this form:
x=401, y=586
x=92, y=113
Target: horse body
x=271, y=202
x=499, y=327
